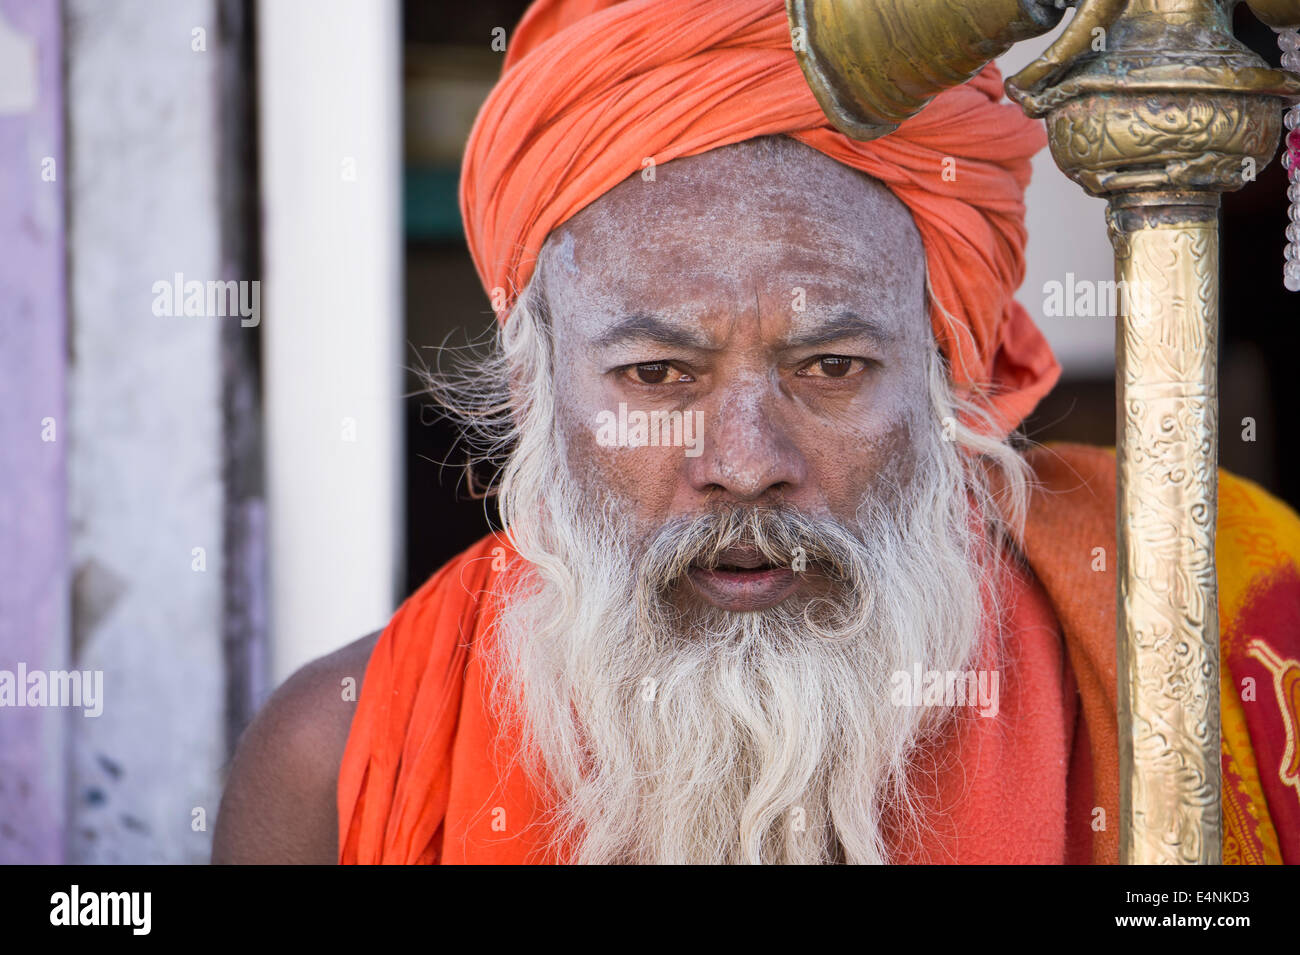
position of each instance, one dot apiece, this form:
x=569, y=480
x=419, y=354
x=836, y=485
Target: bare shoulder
x=280, y=802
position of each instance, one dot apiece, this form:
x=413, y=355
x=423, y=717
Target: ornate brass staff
x=1154, y=105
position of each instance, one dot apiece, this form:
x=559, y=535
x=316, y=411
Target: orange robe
x=422, y=778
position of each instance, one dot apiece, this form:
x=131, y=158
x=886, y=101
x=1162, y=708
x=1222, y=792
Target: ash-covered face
x=776, y=300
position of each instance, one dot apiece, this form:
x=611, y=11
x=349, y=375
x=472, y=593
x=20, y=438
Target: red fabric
x=999, y=787
x=1273, y=712
x=591, y=88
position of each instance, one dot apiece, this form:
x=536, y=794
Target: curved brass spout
x=1277, y=13
x=872, y=64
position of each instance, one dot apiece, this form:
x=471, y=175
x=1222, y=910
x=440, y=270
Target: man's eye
x=830, y=366
x=656, y=373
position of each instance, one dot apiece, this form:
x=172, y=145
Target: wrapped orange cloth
x=592, y=89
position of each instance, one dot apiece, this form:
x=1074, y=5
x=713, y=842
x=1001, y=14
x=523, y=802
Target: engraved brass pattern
x=1168, y=649
x=1163, y=141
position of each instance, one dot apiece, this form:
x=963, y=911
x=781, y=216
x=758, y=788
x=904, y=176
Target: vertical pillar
x=1167, y=261
x=147, y=452
x=329, y=75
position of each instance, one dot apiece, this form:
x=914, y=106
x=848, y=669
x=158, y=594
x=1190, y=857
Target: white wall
x=145, y=416
x=1067, y=233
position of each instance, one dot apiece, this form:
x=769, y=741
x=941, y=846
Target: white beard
x=721, y=737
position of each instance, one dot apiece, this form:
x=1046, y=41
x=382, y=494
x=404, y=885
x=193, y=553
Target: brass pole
x=1167, y=261
x=1161, y=116
x=1155, y=105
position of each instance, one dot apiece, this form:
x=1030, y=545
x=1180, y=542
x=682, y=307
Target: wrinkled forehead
x=768, y=219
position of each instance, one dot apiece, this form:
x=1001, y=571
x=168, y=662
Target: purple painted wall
x=33, y=426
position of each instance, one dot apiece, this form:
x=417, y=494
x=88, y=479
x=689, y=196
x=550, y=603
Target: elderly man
x=776, y=585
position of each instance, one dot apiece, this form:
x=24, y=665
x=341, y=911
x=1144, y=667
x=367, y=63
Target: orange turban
x=590, y=88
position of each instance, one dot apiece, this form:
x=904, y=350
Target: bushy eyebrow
x=642, y=327
x=840, y=326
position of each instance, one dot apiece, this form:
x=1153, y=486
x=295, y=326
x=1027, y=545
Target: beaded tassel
x=1289, y=40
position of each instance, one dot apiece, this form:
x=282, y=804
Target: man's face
x=776, y=299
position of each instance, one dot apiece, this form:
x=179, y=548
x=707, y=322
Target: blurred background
x=200, y=493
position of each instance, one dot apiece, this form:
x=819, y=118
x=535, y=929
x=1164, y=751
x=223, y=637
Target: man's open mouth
x=743, y=560
x=742, y=579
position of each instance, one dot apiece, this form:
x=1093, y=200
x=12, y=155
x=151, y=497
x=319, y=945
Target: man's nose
x=748, y=452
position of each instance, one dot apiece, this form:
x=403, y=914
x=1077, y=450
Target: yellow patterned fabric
x=1071, y=520
x=1258, y=555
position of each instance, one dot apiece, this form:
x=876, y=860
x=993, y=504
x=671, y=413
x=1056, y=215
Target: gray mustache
x=779, y=535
